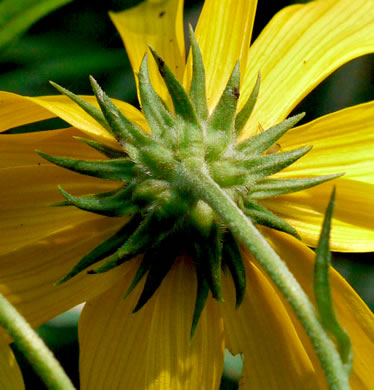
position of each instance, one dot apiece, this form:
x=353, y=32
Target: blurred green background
x=79, y=39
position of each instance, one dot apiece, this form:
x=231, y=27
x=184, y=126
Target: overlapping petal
x=342, y=142
x=352, y=312
x=353, y=221
x=17, y=110
x=158, y=23
x=300, y=47
x=274, y=357
x=10, y=374
x=26, y=216
x=29, y=273
x=151, y=349
x=19, y=149
x=224, y=34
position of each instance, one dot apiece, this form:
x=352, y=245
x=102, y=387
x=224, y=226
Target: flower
x=151, y=349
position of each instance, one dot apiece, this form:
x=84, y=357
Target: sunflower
x=151, y=349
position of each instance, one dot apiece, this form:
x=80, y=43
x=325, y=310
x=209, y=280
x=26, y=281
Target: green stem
x=205, y=188
x=33, y=348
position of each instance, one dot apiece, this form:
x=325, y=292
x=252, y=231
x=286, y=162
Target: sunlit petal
x=26, y=216
x=29, y=274
x=224, y=33
x=10, y=374
x=261, y=329
x=300, y=47
x=342, y=142
x=158, y=23
x=353, y=220
x=352, y=312
x=151, y=349
x=17, y=110
x=19, y=149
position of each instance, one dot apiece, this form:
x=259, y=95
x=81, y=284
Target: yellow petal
x=353, y=219
x=342, y=142
x=151, y=349
x=158, y=23
x=224, y=33
x=261, y=329
x=352, y=312
x=10, y=374
x=19, y=149
x=26, y=193
x=17, y=110
x=28, y=274
x=300, y=47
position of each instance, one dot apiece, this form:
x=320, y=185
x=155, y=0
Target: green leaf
x=221, y=123
x=17, y=16
x=158, y=116
x=228, y=174
x=117, y=204
x=182, y=103
x=268, y=188
x=87, y=107
x=322, y=290
x=202, y=293
x=106, y=248
x=208, y=258
x=123, y=130
x=261, y=142
x=246, y=111
x=265, y=165
x=141, y=271
x=191, y=139
x=149, y=233
x=120, y=169
x=262, y=216
x=103, y=149
x=164, y=255
x=232, y=258
x=198, y=87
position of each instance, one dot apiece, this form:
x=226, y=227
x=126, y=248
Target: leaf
x=106, y=248
x=158, y=116
x=17, y=16
x=261, y=142
x=221, y=122
x=246, y=111
x=268, y=188
x=116, y=169
x=198, y=86
x=322, y=290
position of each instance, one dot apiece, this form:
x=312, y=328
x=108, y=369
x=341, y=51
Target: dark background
x=78, y=40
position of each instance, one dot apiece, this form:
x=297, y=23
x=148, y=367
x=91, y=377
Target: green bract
x=166, y=216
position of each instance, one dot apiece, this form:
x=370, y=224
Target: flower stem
x=205, y=188
x=33, y=348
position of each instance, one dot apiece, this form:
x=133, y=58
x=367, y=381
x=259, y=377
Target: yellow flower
x=151, y=349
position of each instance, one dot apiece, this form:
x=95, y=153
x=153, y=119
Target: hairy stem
x=205, y=188
x=33, y=348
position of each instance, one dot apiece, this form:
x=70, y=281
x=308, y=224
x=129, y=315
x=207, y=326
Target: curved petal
x=261, y=329
x=151, y=349
x=353, y=220
x=29, y=274
x=19, y=149
x=342, y=142
x=224, y=34
x=26, y=193
x=158, y=23
x=17, y=110
x=10, y=374
x=300, y=47
x=352, y=312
